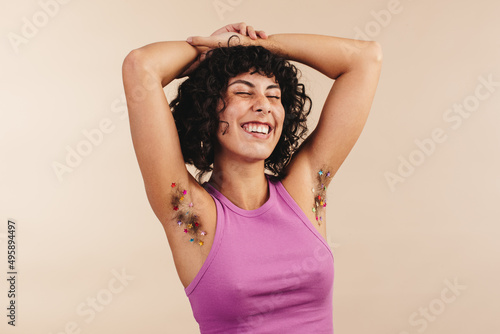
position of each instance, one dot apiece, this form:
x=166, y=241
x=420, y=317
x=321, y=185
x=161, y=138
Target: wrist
x=272, y=44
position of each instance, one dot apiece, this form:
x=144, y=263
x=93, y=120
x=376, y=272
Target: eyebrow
x=248, y=83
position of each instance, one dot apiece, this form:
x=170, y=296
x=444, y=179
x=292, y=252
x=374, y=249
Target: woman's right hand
x=242, y=29
x=246, y=34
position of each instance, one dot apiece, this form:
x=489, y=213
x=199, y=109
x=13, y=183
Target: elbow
x=376, y=52
x=132, y=62
x=370, y=57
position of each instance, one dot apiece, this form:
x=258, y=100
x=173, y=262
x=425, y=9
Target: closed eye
x=247, y=93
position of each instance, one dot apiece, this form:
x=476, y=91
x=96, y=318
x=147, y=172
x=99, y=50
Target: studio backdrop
x=413, y=215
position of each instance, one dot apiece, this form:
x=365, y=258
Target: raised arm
x=355, y=66
x=145, y=72
x=170, y=188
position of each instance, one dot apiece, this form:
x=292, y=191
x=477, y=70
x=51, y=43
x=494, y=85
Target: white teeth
x=265, y=129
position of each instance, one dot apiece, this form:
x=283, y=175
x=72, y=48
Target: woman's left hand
x=221, y=37
x=243, y=29
x=246, y=34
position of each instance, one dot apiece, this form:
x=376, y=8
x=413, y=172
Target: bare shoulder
x=189, y=223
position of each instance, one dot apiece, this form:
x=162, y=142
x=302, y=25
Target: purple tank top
x=268, y=271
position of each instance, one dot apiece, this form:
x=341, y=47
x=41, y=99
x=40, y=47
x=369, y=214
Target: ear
x=221, y=105
x=227, y=127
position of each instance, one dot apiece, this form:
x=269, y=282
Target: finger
x=242, y=28
x=251, y=32
x=227, y=28
x=220, y=31
x=234, y=27
x=200, y=41
x=261, y=34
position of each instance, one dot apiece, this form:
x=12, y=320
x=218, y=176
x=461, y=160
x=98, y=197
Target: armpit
x=184, y=215
x=323, y=178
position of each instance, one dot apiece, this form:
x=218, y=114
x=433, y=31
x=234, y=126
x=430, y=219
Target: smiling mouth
x=257, y=128
x=256, y=133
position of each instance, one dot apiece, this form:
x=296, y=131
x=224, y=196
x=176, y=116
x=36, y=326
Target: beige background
x=394, y=247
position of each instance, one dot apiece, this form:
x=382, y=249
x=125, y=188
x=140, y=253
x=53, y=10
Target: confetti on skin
x=201, y=243
x=320, y=196
x=203, y=233
x=184, y=216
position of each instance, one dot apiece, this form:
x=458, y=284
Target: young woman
x=249, y=247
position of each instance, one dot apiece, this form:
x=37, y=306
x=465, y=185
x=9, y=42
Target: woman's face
x=251, y=100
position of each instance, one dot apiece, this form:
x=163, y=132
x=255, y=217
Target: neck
x=245, y=185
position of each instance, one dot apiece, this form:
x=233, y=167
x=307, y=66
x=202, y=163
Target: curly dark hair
x=195, y=107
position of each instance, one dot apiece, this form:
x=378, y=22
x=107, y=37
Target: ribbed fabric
x=268, y=271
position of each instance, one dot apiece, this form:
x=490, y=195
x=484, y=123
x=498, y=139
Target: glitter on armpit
x=320, y=195
x=183, y=214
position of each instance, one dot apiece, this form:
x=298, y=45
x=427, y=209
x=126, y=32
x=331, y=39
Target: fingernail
x=189, y=40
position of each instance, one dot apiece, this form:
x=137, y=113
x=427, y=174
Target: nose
x=262, y=104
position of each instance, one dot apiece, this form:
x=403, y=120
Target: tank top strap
x=219, y=233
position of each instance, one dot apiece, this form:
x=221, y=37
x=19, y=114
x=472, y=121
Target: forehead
x=253, y=77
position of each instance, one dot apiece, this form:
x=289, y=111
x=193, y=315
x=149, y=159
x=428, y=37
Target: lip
x=258, y=135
